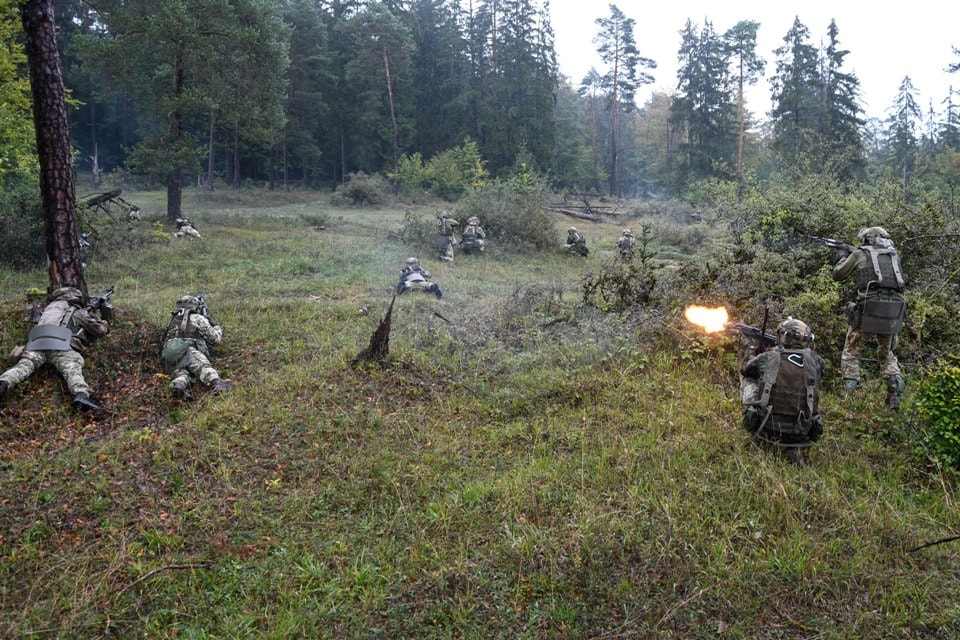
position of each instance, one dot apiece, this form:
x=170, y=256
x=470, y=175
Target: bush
x=937, y=405
x=417, y=231
x=363, y=189
x=448, y=174
x=511, y=212
x=21, y=225
x=622, y=285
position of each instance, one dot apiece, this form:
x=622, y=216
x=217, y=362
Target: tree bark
x=211, y=149
x=57, y=180
x=174, y=135
x=393, y=116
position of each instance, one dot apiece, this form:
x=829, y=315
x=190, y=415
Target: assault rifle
x=834, y=244
x=102, y=304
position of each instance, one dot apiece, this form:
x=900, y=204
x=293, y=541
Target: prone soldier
x=186, y=351
x=63, y=333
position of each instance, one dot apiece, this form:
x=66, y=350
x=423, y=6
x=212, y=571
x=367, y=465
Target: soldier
x=779, y=392
x=473, y=237
x=65, y=330
x=446, y=226
x=415, y=277
x=186, y=352
x=185, y=228
x=576, y=243
x=625, y=245
x=878, y=312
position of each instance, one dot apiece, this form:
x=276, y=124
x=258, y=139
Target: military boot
x=849, y=384
x=4, y=387
x=218, y=385
x=437, y=292
x=82, y=402
x=180, y=393
x=895, y=385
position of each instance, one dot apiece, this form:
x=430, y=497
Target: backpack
x=789, y=399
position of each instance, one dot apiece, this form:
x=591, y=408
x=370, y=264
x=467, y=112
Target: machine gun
x=762, y=338
x=203, y=310
x=102, y=304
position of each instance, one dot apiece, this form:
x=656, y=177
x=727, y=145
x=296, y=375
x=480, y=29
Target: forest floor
x=530, y=468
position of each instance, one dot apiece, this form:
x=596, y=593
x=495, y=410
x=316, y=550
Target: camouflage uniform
x=779, y=391
x=446, y=226
x=185, y=227
x=81, y=327
x=576, y=243
x=416, y=278
x=473, y=237
x=876, y=267
x=186, y=348
x=625, y=245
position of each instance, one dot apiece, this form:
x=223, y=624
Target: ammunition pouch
x=752, y=418
x=49, y=337
x=883, y=313
x=175, y=349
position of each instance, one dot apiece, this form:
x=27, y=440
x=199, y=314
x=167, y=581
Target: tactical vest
x=180, y=326
x=54, y=330
x=626, y=242
x=445, y=227
x=883, y=310
x=881, y=270
x=789, y=398
x=470, y=233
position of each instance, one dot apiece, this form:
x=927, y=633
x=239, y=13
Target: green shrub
x=937, y=404
x=622, y=285
x=21, y=225
x=417, y=231
x=511, y=212
x=364, y=189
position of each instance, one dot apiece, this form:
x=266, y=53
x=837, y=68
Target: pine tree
x=741, y=43
x=903, y=118
x=795, y=96
x=618, y=50
x=842, y=144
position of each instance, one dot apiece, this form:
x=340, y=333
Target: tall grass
x=531, y=469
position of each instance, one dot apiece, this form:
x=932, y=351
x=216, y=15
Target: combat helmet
x=412, y=262
x=188, y=302
x=473, y=220
x=446, y=214
x=874, y=235
x=70, y=294
x=627, y=232
x=571, y=229
x=794, y=333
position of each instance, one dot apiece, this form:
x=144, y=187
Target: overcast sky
x=886, y=42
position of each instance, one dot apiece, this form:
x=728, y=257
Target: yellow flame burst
x=711, y=320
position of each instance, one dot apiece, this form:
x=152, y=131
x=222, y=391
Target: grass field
x=531, y=469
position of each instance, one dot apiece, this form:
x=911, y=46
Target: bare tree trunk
x=57, y=181
x=343, y=156
x=393, y=116
x=740, y=137
x=211, y=149
x=174, y=135
x=236, y=158
x=286, y=173
x=614, y=107
x=95, y=161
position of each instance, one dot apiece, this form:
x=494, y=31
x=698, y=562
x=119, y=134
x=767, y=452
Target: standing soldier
x=186, y=352
x=879, y=309
x=576, y=243
x=625, y=245
x=446, y=225
x=779, y=392
x=473, y=237
x=63, y=333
